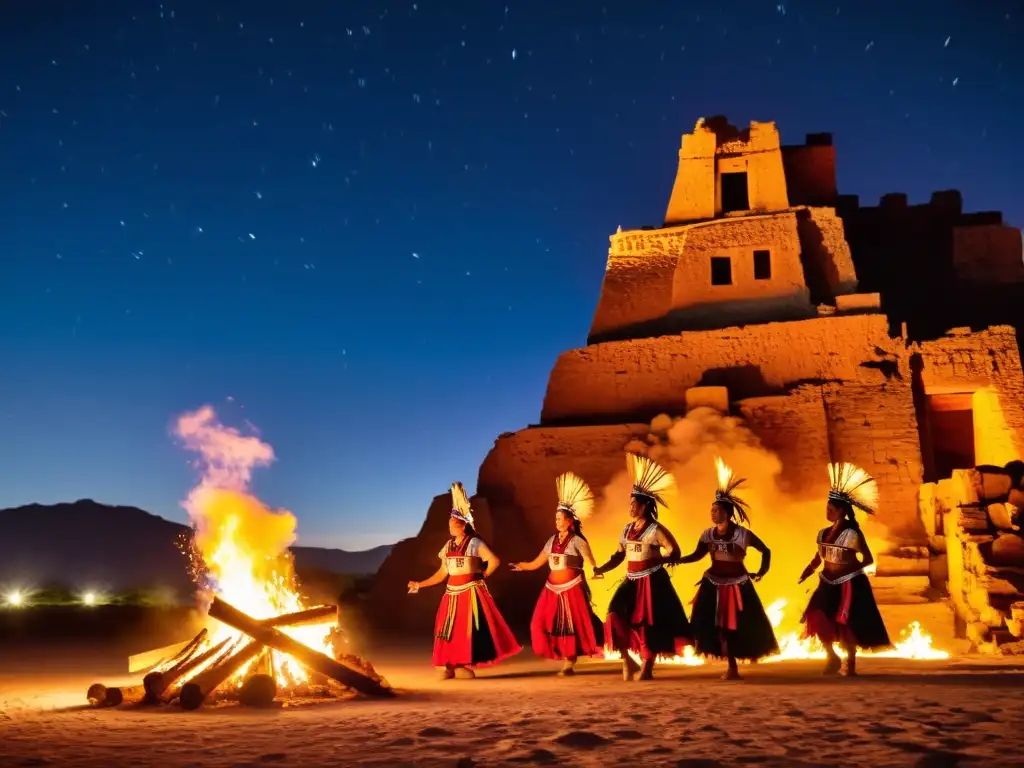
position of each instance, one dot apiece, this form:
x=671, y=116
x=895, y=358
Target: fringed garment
x=728, y=617
x=469, y=630
x=645, y=614
x=842, y=608
x=564, y=625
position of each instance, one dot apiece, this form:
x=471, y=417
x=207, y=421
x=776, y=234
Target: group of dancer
x=646, y=618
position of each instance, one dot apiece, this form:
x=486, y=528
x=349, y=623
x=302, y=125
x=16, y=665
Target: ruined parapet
x=986, y=564
x=723, y=170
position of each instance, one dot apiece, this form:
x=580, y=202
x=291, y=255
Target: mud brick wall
x=793, y=426
x=988, y=253
x=873, y=425
x=637, y=380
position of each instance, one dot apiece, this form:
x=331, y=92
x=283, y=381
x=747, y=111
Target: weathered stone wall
x=985, y=557
x=793, y=427
x=988, y=364
x=521, y=468
x=811, y=171
x=697, y=303
x=639, y=379
x=988, y=253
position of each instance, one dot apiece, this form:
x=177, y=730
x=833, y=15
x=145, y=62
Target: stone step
x=900, y=590
x=893, y=565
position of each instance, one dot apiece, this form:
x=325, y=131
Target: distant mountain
x=96, y=546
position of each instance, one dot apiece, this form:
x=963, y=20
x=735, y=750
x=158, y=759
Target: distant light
x=15, y=598
x=89, y=598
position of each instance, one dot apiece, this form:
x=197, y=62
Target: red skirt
x=469, y=630
x=846, y=612
x=564, y=625
x=645, y=616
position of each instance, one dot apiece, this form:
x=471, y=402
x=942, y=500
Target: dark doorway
x=721, y=270
x=762, y=265
x=734, y=192
x=951, y=433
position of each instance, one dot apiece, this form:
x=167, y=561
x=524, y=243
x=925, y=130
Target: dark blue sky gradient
x=375, y=225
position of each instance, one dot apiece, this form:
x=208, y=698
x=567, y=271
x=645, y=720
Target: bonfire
x=261, y=641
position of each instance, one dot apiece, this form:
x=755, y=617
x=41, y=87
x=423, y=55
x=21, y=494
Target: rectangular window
x=721, y=270
x=734, y=192
x=762, y=265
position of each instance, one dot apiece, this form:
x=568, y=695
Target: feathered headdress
x=851, y=484
x=650, y=480
x=460, y=504
x=727, y=485
x=574, y=495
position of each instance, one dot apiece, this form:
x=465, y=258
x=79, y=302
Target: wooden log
x=321, y=614
x=167, y=654
x=156, y=683
x=100, y=695
x=195, y=691
x=314, y=660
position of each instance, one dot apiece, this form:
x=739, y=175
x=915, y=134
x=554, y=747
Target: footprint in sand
x=536, y=756
x=581, y=740
x=794, y=712
x=434, y=733
x=403, y=741
x=628, y=735
x=881, y=729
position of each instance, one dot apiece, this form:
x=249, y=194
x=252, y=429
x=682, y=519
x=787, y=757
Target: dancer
x=728, y=619
x=469, y=630
x=842, y=608
x=564, y=625
x=645, y=615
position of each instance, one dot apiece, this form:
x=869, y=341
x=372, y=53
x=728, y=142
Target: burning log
x=322, y=614
x=169, y=653
x=195, y=691
x=100, y=695
x=308, y=657
x=156, y=683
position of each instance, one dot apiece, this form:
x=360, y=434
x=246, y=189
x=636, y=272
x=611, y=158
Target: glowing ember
x=240, y=548
x=915, y=644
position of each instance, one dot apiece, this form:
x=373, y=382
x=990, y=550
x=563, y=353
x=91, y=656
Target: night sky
x=369, y=228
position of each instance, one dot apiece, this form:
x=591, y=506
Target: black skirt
x=838, y=611
x=646, y=616
x=752, y=639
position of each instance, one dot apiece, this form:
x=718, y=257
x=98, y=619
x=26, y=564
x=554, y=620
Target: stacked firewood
x=196, y=673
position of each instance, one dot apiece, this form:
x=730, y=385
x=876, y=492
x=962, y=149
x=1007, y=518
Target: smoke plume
x=687, y=447
x=237, y=537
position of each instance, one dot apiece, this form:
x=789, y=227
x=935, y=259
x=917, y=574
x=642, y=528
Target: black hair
x=847, y=509
x=649, y=505
x=733, y=510
x=1015, y=469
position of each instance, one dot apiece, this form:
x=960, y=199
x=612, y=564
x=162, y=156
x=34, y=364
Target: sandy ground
x=924, y=713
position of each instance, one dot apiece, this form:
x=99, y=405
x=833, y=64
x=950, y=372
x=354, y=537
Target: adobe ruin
x=884, y=336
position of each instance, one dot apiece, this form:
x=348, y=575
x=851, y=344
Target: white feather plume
x=574, y=495
x=852, y=484
x=460, y=504
x=649, y=478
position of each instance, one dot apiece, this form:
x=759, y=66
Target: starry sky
x=368, y=228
